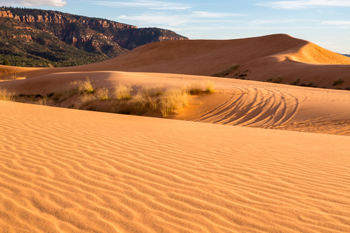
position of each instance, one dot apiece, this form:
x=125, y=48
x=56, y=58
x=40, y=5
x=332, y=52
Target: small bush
x=102, y=94
x=173, y=100
x=42, y=101
x=122, y=92
x=6, y=95
x=338, y=82
x=195, y=88
x=312, y=84
x=84, y=100
x=209, y=87
x=274, y=80
x=83, y=87
x=296, y=82
x=6, y=63
x=151, y=91
x=226, y=72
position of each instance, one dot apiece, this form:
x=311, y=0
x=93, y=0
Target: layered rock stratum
x=29, y=35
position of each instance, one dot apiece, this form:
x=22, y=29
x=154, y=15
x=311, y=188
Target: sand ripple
x=74, y=171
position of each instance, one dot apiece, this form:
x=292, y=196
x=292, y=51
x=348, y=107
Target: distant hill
x=348, y=55
x=40, y=38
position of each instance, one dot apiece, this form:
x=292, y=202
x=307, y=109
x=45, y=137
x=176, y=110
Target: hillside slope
x=32, y=37
x=274, y=58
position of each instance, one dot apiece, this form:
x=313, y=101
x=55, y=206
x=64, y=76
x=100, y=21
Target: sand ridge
x=259, y=58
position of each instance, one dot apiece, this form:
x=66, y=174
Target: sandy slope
x=236, y=102
x=67, y=170
x=260, y=58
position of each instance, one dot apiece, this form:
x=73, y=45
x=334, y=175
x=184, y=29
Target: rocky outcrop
x=5, y=13
x=100, y=37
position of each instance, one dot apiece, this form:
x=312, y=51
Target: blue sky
x=324, y=22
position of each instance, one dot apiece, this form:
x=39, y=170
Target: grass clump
x=274, y=80
x=151, y=91
x=338, y=82
x=173, y=101
x=195, y=88
x=83, y=87
x=102, y=94
x=122, y=92
x=209, y=87
x=6, y=95
x=296, y=82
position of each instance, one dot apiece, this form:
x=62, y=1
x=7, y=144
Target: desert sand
x=260, y=58
x=68, y=170
x=230, y=162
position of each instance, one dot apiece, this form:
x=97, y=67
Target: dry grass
x=173, y=101
x=151, y=99
x=77, y=87
x=209, y=87
x=6, y=95
x=122, y=92
x=151, y=91
x=83, y=87
x=102, y=94
x=195, y=88
x=42, y=101
x=84, y=100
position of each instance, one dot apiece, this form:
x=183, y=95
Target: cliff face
x=98, y=36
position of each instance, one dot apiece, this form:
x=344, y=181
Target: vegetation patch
x=226, y=72
x=6, y=95
x=149, y=99
x=122, y=92
x=275, y=80
x=338, y=82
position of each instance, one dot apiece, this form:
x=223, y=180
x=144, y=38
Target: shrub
x=43, y=101
x=83, y=87
x=209, y=87
x=122, y=92
x=338, y=82
x=151, y=91
x=195, y=88
x=173, y=100
x=102, y=94
x=6, y=63
x=6, y=95
x=296, y=82
x=226, y=72
x=312, y=84
x=84, y=100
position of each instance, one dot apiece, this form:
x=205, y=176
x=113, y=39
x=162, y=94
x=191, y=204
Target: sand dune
x=65, y=170
x=259, y=58
x=70, y=171
x=236, y=102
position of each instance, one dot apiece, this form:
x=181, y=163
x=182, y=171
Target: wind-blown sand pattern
x=77, y=171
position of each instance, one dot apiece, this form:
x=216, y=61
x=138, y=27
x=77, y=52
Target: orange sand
x=64, y=170
x=76, y=171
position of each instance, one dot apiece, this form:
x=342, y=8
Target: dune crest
x=258, y=58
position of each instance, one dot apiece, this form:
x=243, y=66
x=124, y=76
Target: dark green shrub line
x=226, y=72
